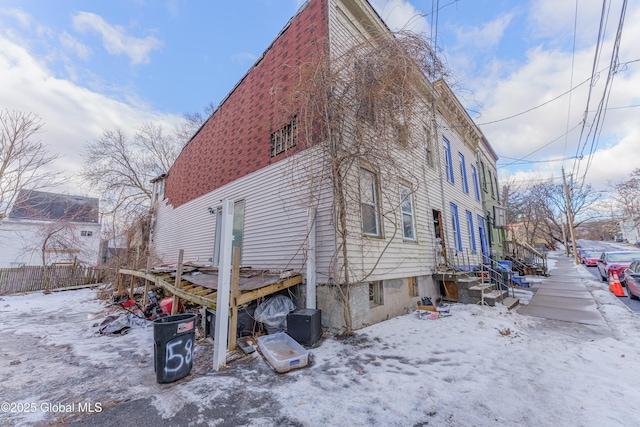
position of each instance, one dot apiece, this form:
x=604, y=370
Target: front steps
x=478, y=290
x=487, y=293
x=519, y=280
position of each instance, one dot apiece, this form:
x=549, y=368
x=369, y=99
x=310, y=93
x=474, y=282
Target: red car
x=615, y=262
x=632, y=280
x=590, y=258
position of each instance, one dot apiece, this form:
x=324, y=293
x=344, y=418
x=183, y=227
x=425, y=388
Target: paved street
x=611, y=246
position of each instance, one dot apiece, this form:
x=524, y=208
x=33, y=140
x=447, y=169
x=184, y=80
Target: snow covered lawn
x=481, y=366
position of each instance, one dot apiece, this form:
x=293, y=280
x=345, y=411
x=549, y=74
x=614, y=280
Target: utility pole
x=570, y=217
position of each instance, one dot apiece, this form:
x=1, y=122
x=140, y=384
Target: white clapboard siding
x=21, y=243
x=388, y=257
x=453, y=192
x=275, y=219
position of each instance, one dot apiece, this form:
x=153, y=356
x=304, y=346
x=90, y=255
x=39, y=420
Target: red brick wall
x=235, y=140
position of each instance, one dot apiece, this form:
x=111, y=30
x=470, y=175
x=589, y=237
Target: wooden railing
x=527, y=256
x=32, y=278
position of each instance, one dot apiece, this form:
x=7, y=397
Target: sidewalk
x=564, y=296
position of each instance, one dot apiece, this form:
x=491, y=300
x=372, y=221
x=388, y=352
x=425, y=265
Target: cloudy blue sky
x=86, y=65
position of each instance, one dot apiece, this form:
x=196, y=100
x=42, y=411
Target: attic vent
x=284, y=138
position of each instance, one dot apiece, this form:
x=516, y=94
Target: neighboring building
x=400, y=226
x=63, y=228
x=629, y=231
x=495, y=214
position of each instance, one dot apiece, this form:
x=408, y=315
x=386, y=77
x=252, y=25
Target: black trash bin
x=174, y=342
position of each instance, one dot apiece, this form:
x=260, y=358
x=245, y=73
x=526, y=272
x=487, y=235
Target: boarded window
x=413, y=286
x=429, y=148
x=285, y=138
x=365, y=79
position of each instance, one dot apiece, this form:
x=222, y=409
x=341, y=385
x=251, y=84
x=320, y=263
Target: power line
x=593, y=77
x=537, y=106
x=573, y=58
x=540, y=148
x=522, y=161
x=602, y=106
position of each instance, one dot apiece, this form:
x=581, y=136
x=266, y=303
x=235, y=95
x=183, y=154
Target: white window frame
x=407, y=210
x=376, y=293
x=372, y=204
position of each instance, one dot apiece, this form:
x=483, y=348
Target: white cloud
x=556, y=20
x=173, y=6
x=22, y=17
x=244, y=57
x=70, y=43
x=485, y=36
x=115, y=39
x=401, y=15
x=72, y=115
x=508, y=89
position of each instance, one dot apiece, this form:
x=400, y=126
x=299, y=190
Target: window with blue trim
x=472, y=237
x=455, y=222
x=447, y=159
x=463, y=173
x=474, y=173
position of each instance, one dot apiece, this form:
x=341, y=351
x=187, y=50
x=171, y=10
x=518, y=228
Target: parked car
x=632, y=280
x=590, y=258
x=616, y=262
x=583, y=251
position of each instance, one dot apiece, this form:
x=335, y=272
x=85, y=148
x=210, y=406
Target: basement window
x=413, y=286
x=285, y=138
x=376, y=294
x=86, y=233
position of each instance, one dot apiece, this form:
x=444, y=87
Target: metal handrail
x=477, y=263
x=525, y=254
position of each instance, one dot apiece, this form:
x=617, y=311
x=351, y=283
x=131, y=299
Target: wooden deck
x=201, y=289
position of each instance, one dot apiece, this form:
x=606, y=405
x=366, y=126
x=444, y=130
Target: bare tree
x=526, y=205
x=121, y=167
x=541, y=208
x=627, y=197
x=24, y=161
x=583, y=200
x=58, y=233
x=57, y=237
x=193, y=121
x=367, y=106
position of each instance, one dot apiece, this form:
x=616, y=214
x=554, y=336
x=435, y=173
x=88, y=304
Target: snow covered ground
x=481, y=366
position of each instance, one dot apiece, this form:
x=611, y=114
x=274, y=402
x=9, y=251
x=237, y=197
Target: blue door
x=483, y=237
